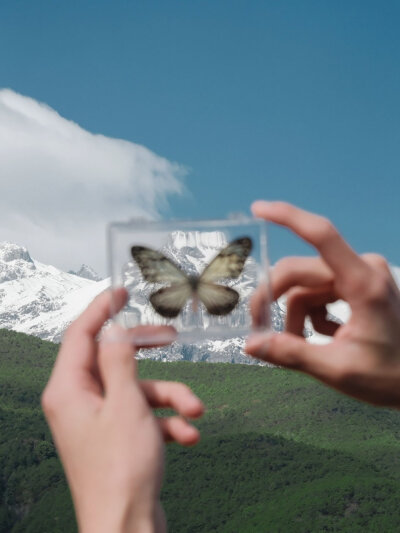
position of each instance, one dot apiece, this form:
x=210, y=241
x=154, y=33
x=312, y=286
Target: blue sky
x=278, y=100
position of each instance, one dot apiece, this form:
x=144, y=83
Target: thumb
x=285, y=349
x=116, y=362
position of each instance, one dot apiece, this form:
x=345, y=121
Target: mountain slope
x=86, y=272
x=279, y=452
x=40, y=299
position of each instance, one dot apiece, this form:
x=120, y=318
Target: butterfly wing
x=156, y=267
x=229, y=262
x=168, y=301
x=218, y=299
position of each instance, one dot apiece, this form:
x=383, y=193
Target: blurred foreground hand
x=101, y=417
x=363, y=360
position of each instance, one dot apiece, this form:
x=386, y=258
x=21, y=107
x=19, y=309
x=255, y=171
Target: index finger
x=319, y=232
x=79, y=344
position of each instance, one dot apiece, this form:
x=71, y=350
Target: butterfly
x=170, y=300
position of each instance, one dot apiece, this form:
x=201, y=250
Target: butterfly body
x=193, y=282
x=218, y=299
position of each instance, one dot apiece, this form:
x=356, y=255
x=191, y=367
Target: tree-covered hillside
x=279, y=452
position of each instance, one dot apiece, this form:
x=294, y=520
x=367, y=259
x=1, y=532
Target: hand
x=108, y=438
x=363, y=360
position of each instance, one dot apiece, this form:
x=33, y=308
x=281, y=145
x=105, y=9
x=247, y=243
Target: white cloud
x=60, y=184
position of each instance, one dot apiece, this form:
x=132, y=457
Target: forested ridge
x=279, y=452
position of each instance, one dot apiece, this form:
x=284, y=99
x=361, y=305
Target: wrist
x=139, y=525
x=130, y=521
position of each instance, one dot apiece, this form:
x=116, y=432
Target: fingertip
x=121, y=290
x=119, y=298
x=152, y=336
x=257, y=344
x=114, y=333
x=189, y=436
x=194, y=407
x=177, y=429
x=258, y=206
x=283, y=349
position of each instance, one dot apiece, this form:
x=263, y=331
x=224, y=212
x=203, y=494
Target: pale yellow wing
x=156, y=267
x=229, y=262
x=169, y=301
x=218, y=299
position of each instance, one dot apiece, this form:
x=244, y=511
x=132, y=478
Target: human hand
x=101, y=418
x=363, y=360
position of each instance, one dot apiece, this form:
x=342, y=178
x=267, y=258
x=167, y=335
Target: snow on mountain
x=337, y=312
x=42, y=300
x=15, y=262
x=202, y=240
x=396, y=274
x=86, y=272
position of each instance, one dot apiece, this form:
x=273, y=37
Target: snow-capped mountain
x=396, y=274
x=86, y=272
x=42, y=300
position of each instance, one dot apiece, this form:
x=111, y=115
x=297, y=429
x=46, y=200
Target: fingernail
x=264, y=203
x=193, y=403
x=164, y=337
x=257, y=344
x=114, y=333
x=192, y=436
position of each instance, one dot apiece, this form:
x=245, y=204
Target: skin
x=102, y=420
x=363, y=359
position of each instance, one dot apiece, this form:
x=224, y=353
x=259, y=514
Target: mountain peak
x=40, y=299
x=86, y=272
x=10, y=251
x=197, y=239
x=15, y=262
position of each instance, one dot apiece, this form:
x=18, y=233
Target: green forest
x=279, y=452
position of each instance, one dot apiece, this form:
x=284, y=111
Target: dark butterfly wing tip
x=136, y=250
x=166, y=313
x=245, y=241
